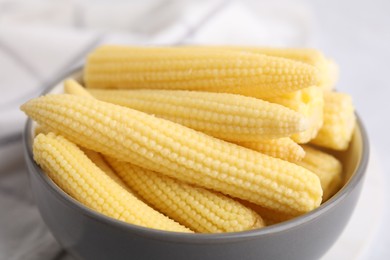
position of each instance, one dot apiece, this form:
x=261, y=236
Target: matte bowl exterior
x=90, y=235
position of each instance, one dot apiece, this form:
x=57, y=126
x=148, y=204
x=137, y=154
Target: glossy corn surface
x=179, y=152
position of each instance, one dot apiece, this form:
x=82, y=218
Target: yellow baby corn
x=100, y=162
x=197, y=208
x=196, y=69
x=308, y=102
x=339, y=122
x=78, y=176
x=73, y=87
x=283, y=148
x=327, y=168
x=226, y=116
x=179, y=152
x=329, y=72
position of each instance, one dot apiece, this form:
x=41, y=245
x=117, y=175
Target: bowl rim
x=178, y=237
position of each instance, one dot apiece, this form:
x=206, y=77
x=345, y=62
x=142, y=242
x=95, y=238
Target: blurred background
x=41, y=40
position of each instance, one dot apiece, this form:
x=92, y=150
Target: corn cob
x=197, y=208
x=73, y=87
x=283, y=148
x=226, y=116
x=72, y=171
x=179, y=152
x=327, y=168
x=196, y=69
x=339, y=122
x=308, y=102
x=329, y=72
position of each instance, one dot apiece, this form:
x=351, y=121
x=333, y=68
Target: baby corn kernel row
x=208, y=137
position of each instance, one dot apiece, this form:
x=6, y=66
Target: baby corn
x=328, y=69
x=73, y=172
x=327, y=168
x=179, y=152
x=308, y=102
x=197, y=208
x=339, y=122
x=196, y=69
x=230, y=117
x=283, y=148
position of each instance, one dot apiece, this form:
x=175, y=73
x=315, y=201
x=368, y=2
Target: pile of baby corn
x=197, y=139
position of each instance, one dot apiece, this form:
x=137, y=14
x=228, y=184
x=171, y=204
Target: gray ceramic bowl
x=87, y=234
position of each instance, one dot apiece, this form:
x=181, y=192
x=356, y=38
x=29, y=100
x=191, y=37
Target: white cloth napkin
x=42, y=40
